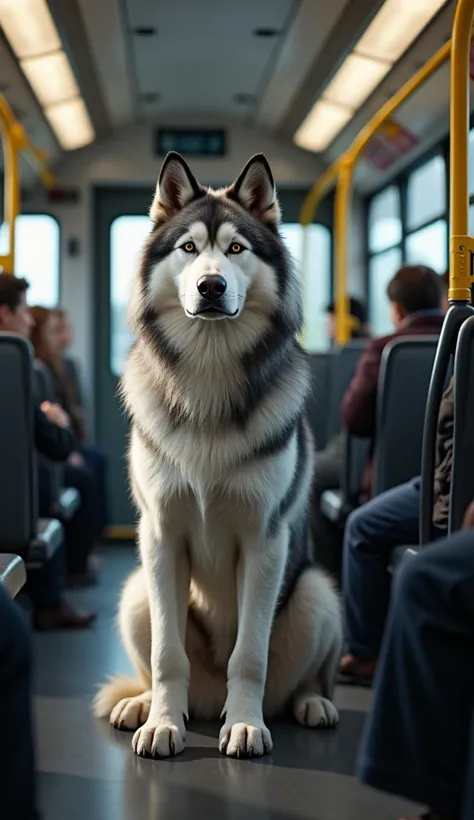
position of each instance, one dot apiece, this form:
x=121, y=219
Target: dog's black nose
x=212, y=287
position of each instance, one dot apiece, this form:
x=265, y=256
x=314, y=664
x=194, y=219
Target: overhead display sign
x=206, y=142
x=392, y=142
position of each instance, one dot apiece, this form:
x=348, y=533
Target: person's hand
x=55, y=413
x=468, y=520
x=76, y=460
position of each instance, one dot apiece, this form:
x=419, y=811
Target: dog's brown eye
x=189, y=247
x=235, y=248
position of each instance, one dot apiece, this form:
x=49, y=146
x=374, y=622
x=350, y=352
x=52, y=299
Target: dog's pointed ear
x=176, y=188
x=255, y=190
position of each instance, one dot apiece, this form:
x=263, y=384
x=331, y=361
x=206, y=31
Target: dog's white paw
x=315, y=711
x=245, y=740
x=130, y=713
x=159, y=739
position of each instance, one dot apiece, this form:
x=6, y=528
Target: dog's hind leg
x=126, y=700
x=304, y=653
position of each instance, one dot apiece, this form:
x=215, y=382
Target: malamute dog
x=226, y=615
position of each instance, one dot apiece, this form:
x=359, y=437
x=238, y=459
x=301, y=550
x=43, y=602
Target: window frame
x=36, y=212
x=400, y=180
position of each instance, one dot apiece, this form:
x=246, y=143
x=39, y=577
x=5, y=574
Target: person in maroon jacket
x=392, y=518
x=416, y=296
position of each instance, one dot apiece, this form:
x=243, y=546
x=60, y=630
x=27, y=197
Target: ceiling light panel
x=71, y=123
x=51, y=78
x=321, y=125
x=355, y=81
x=29, y=27
x=396, y=26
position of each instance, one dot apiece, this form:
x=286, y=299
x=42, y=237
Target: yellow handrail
x=343, y=171
x=15, y=140
x=461, y=245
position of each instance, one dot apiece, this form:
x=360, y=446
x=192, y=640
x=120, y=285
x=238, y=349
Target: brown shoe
x=356, y=670
x=63, y=617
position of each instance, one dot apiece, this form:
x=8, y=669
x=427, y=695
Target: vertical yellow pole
x=341, y=249
x=461, y=246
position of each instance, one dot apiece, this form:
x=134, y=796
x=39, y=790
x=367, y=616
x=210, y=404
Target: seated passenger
x=388, y=520
x=54, y=440
x=416, y=296
x=18, y=795
x=52, y=338
x=418, y=738
x=326, y=537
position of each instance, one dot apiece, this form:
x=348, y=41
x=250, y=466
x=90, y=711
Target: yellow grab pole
x=341, y=230
x=461, y=245
x=14, y=141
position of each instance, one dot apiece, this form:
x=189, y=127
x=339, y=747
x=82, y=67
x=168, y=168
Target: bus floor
x=86, y=769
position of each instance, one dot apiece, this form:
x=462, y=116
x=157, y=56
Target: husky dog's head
x=214, y=255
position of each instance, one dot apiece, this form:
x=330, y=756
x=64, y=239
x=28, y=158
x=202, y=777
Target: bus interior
x=361, y=109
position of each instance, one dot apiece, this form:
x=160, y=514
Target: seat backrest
x=343, y=365
x=462, y=472
x=356, y=453
x=404, y=379
x=18, y=499
x=318, y=402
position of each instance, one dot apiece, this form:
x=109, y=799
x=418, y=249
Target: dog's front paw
x=245, y=740
x=159, y=738
x=315, y=711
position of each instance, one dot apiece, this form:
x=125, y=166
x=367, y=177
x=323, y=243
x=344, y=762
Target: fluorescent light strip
x=51, y=78
x=396, y=26
x=391, y=32
x=33, y=36
x=71, y=123
x=355, y=81
x=29, y=27
x=321, y=125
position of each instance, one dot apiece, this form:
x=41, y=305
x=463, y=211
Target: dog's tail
x=116, y=688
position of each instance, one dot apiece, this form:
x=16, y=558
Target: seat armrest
x=47, y=541
x=12, y=573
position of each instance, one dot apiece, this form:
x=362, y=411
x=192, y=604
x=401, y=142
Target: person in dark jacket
x=390, y=519
x=416, y=295
x=55, y=441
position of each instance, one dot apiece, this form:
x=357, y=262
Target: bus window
x=426, y=193
x=37, y=248
x=382, y=268
x=127, y=235
x=316, y=295
x=385, y=224
x=429, y=246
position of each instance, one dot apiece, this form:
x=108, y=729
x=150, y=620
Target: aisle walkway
x=87, y=770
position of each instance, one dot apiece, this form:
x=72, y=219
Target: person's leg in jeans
x=96, y=459
x=417, y=739
x=372, y=531
x=18, y=796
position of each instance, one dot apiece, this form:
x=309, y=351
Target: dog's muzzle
x=212, y=302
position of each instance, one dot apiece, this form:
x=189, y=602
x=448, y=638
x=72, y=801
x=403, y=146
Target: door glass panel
x=429, y=246
x=37, y=248
x=316, y=279
x=385, y=224
x=127, y=236
x=382, y=268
